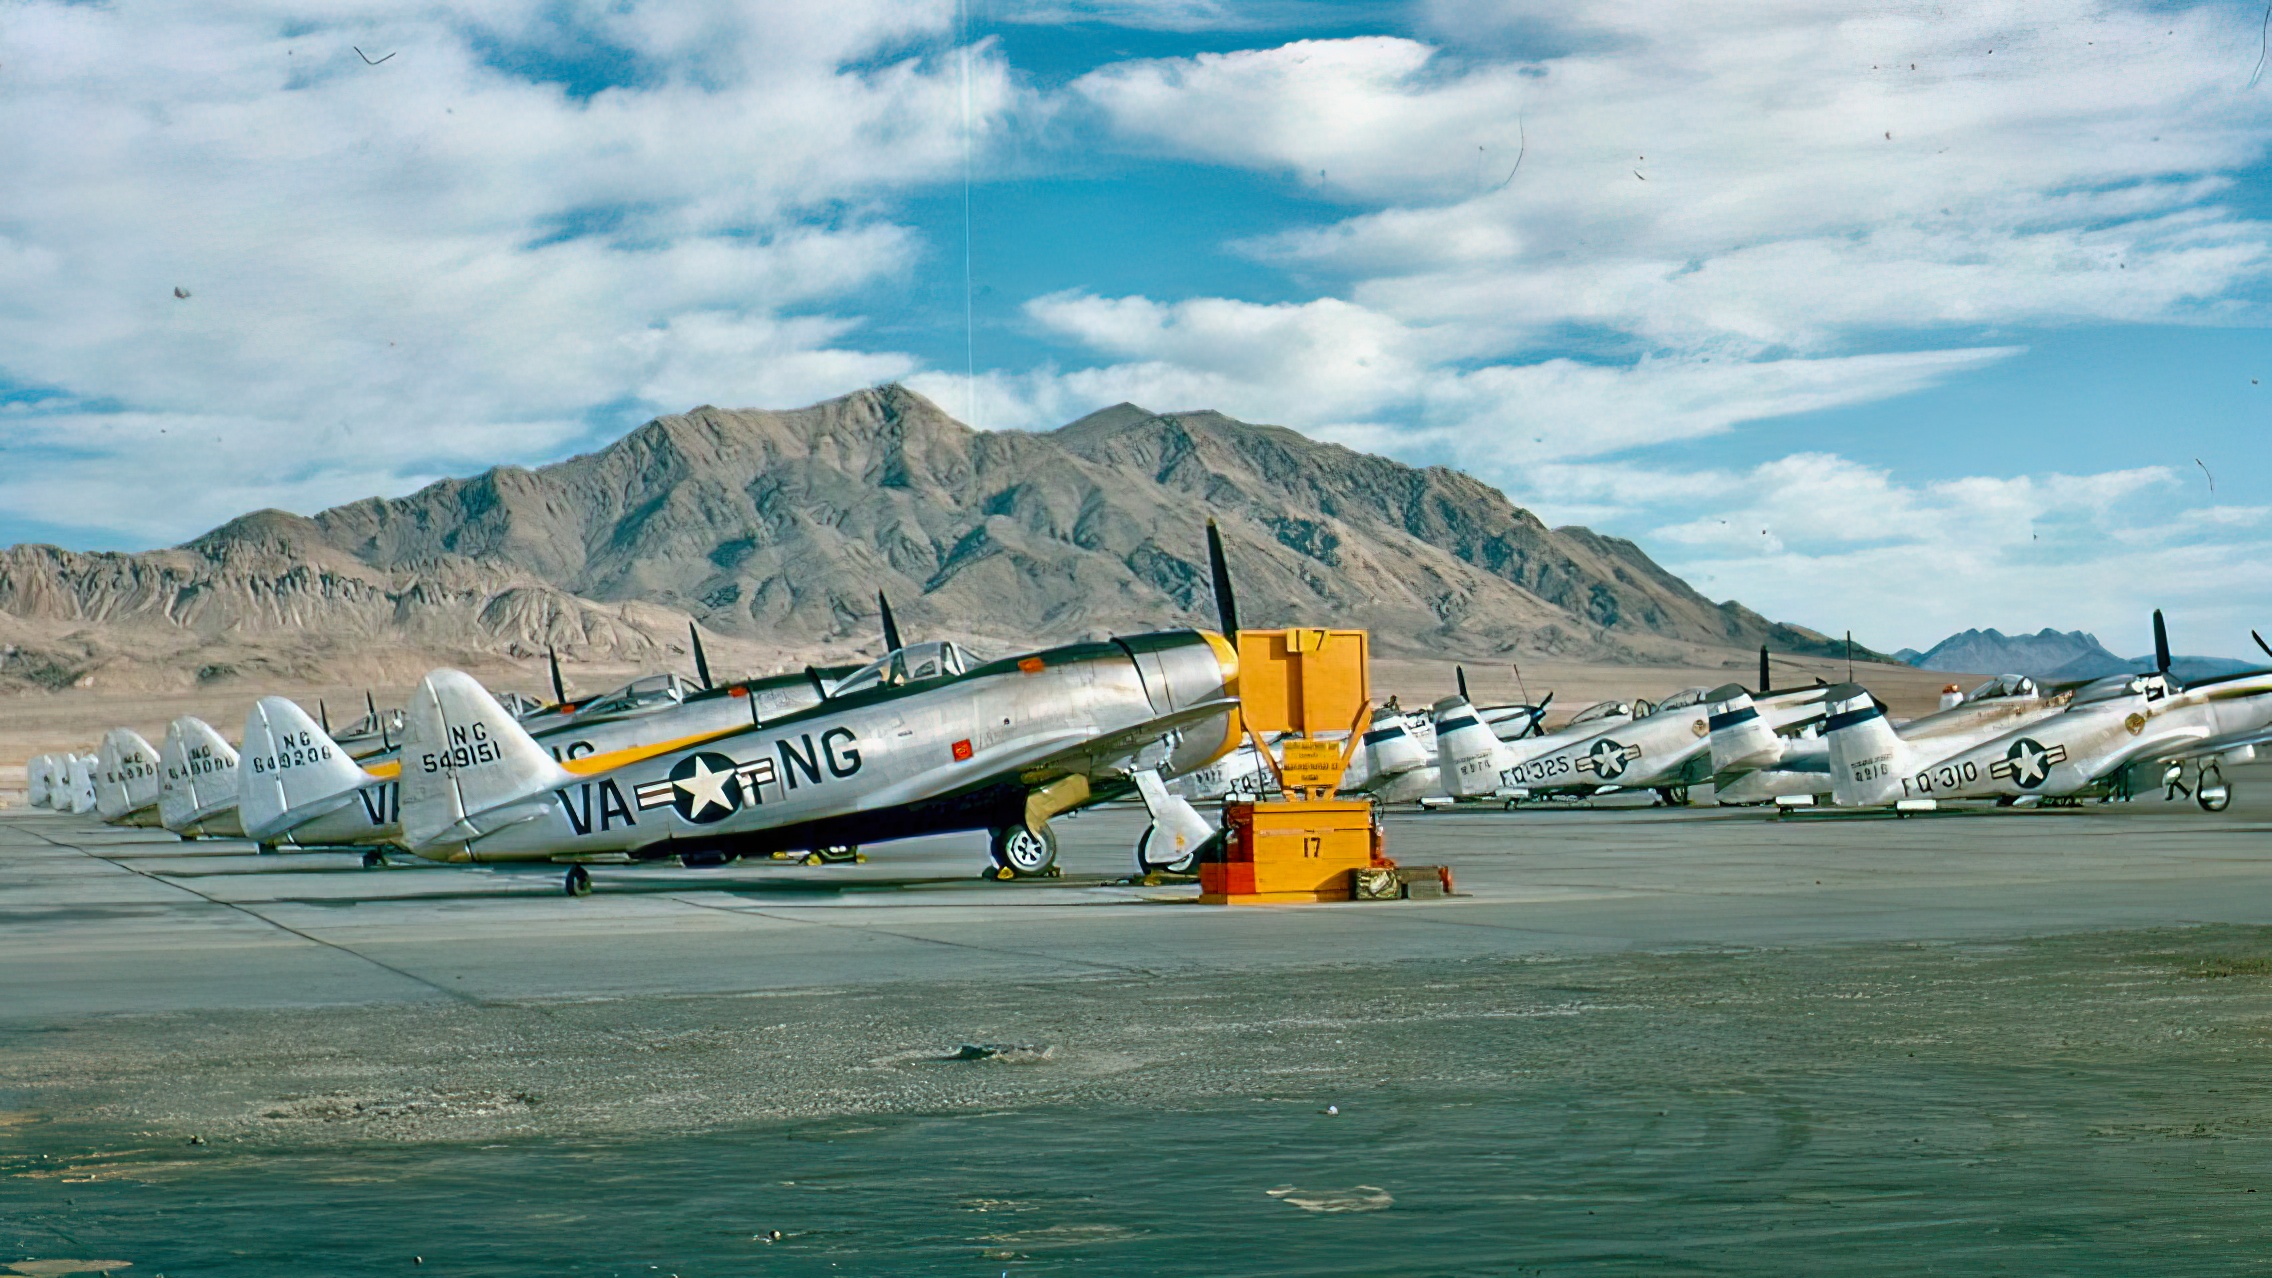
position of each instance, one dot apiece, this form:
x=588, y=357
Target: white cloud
x=1777, y=176
x=441, y=252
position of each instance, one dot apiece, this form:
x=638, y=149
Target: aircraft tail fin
x=1467, y=752
x=197, y=773
x=292, y=771
x=1867, y=758
x=1389, y=747
x=126, y=778
x=464, y=755
x=1741, y=739
x=83, y=783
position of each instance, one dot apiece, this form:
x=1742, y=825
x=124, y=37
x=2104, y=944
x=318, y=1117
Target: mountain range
x=774, y=530
x=2051, y=656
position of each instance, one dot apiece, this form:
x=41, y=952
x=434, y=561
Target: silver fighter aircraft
x=1755, y=764
x=1001, y=747
x=303, y=787
x=2110, y=725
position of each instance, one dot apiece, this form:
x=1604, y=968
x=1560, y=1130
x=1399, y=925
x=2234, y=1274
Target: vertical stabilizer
x=197, y=780
x=126, y=779
x=291, y=771
x=464, y=755
x=1867, y=759
x=1741, y=739
x=1467, y=752
x=82, y=787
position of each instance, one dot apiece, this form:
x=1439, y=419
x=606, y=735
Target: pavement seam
x=251, y=913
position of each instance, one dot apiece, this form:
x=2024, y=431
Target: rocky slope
x=775, y=529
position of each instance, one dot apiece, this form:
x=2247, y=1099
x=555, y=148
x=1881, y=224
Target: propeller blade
x=1764, y=685
x=371, y=704
x=701, y=662
x=323, y=716
x=2260, y=643
x=1461, y=671
x=1538, y=716
x=1219, y=570
x=2161, y=644
x=891, y=627
x=559, y=685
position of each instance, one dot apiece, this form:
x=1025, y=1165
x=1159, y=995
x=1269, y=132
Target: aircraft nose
x=1226, y=660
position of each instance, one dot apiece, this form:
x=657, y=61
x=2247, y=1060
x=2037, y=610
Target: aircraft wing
x=2176, y=745
x=1087, y=753
x=2217, y=744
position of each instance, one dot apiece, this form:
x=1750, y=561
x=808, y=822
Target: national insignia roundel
x=705, y=788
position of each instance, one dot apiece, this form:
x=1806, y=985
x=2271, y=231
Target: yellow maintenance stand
x=1302, y=682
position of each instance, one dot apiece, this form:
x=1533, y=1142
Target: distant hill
x=1994, y=652
x=2052, y=656
x=775, y=529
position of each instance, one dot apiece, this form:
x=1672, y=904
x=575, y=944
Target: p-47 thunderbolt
x=1002, y=747
x=300, y=786
x=2111, y=724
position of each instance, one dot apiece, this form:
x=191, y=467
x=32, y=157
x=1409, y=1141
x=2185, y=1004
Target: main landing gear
x=2210, y=790
x=1188, y=863
x=373, y=859
x=578, y=881
x=1020, y=853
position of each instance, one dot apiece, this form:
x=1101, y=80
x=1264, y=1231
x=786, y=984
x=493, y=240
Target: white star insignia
x=2028, y=765
x=704, y=788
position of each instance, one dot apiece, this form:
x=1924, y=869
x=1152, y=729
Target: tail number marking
x=470, y=747
x=1872, y=769
x=293, y=750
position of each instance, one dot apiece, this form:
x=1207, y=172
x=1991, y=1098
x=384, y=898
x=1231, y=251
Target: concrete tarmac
x=96, y=921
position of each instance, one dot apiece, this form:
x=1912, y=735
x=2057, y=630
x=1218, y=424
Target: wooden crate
x=1278, y=853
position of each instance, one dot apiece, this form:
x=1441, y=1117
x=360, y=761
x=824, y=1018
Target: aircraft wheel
x=2212, y=793
x=578, y=881
x=373, y=859
x=1022, y=852
x=1674, y=796
x=1188, y=863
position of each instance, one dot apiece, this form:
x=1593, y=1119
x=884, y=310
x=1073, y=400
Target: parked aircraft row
x=927, y=740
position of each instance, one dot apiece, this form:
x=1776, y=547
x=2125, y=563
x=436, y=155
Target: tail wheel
x=1022, y=852
x=578, y=881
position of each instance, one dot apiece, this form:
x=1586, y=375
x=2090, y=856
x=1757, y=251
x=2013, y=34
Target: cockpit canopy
x=1602, y=710
x=915, y=663
x=520, y=705
x=2002, y=686
x=1681, y=700
x=645, y=693
x=2116, y=687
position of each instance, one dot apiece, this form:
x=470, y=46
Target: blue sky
x=1903, y=318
